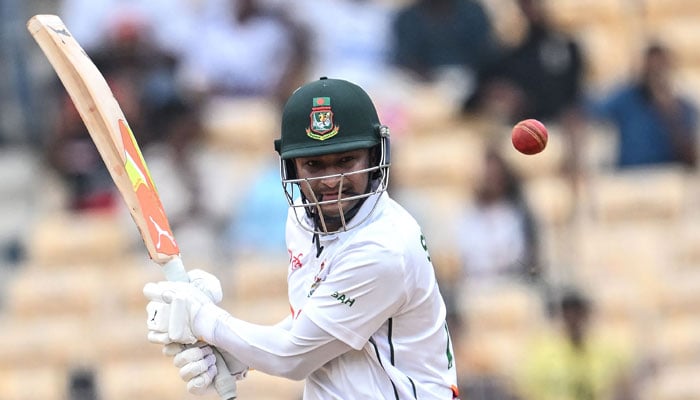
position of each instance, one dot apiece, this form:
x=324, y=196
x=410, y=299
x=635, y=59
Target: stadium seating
x=61, y=341
x=672, y=383
x=653, y=193
x=74, y=291
x=65, y=238
x=442, y=159
x=241, y=125
x=500, y=317
x=140, y=379
x=45, y=382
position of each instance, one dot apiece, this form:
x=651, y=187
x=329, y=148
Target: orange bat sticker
x=147, y=195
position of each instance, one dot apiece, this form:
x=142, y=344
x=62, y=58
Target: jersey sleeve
x=289, y=349
x=363, y=288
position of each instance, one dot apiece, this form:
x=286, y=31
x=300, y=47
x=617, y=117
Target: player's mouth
x=330, y=196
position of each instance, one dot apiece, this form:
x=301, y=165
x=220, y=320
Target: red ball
x=529, y=136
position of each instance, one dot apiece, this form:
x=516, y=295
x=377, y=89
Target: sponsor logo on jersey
x=320, y=277
x=321, y=126
x=295, y=313
x=295, y=261
x=341, y=297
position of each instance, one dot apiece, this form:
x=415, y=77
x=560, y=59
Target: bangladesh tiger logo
x=321, y=125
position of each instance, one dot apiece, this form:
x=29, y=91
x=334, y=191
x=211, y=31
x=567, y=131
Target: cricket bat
x=115, y=142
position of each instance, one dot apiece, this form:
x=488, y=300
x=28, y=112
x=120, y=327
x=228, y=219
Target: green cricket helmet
x=331, y=116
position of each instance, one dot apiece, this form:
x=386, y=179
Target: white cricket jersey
x=374, y=288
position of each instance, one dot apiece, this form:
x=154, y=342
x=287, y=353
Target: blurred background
x=570, y=274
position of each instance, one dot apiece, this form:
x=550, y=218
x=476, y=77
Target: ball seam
x=534, y=134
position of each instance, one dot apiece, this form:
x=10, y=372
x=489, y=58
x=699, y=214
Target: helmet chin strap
x=317, y=241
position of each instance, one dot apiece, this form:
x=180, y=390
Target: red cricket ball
x=529, y=136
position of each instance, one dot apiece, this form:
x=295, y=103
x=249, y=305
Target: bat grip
x=175, y=270
x=224, y=382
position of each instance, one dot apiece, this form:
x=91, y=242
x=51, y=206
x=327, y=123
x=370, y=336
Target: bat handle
x=175, y=270
x=224, y=382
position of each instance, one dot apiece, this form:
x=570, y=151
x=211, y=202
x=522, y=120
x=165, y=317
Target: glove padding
x=197, y=362
x=159, y=313
x=207, y=283
x=172, y=309
x=197, y=368
x=197, y=365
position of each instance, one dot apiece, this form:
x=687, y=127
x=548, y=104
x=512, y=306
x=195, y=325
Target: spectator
x=170, y=22
x=655, y=125
x=431, y=35
x=143, y=80
x=245, y=49
x=350, y=39
x=17, y=103
x=70, y=152
x=486, y=388
x=572, y=363
x=497, y=236
x=540, y=77
x=82, y=385
x=256, y=227
x=142, y=75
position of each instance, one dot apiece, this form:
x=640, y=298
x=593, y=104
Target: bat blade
x=110, y=132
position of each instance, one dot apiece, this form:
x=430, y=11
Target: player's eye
x=312, y=165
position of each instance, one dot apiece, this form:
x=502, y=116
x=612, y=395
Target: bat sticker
x=146, y=193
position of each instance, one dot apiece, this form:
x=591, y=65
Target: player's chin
x=334, y=210
x=330, y=211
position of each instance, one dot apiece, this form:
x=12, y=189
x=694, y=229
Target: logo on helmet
x=321, y=118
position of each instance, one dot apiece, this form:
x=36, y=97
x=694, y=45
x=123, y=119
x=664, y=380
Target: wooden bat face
x=109, y=130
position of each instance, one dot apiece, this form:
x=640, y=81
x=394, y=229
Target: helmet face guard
x=331, y=116
x=378, y=183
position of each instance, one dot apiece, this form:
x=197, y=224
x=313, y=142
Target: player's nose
x=331, y=181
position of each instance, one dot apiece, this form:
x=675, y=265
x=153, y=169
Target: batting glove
x=158, y=313
x=171, y=310
x=197, y=365
x=207, y=283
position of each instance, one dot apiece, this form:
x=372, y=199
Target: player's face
x=330, y=179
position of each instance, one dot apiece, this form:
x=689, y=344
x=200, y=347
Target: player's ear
x=291, y=169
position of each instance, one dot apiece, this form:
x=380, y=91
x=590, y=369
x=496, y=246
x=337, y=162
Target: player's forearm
x=276, y=350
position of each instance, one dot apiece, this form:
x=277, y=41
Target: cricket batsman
x=367, y=318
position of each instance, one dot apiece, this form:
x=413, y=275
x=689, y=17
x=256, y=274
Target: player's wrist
x=206, y=322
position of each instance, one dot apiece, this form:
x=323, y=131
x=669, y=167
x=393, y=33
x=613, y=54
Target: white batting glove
x=197, y=368
x=159, y=313
x=197, y=365
x=207, y=283
x=172, y=309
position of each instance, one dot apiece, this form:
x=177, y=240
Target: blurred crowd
x=171, y=62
